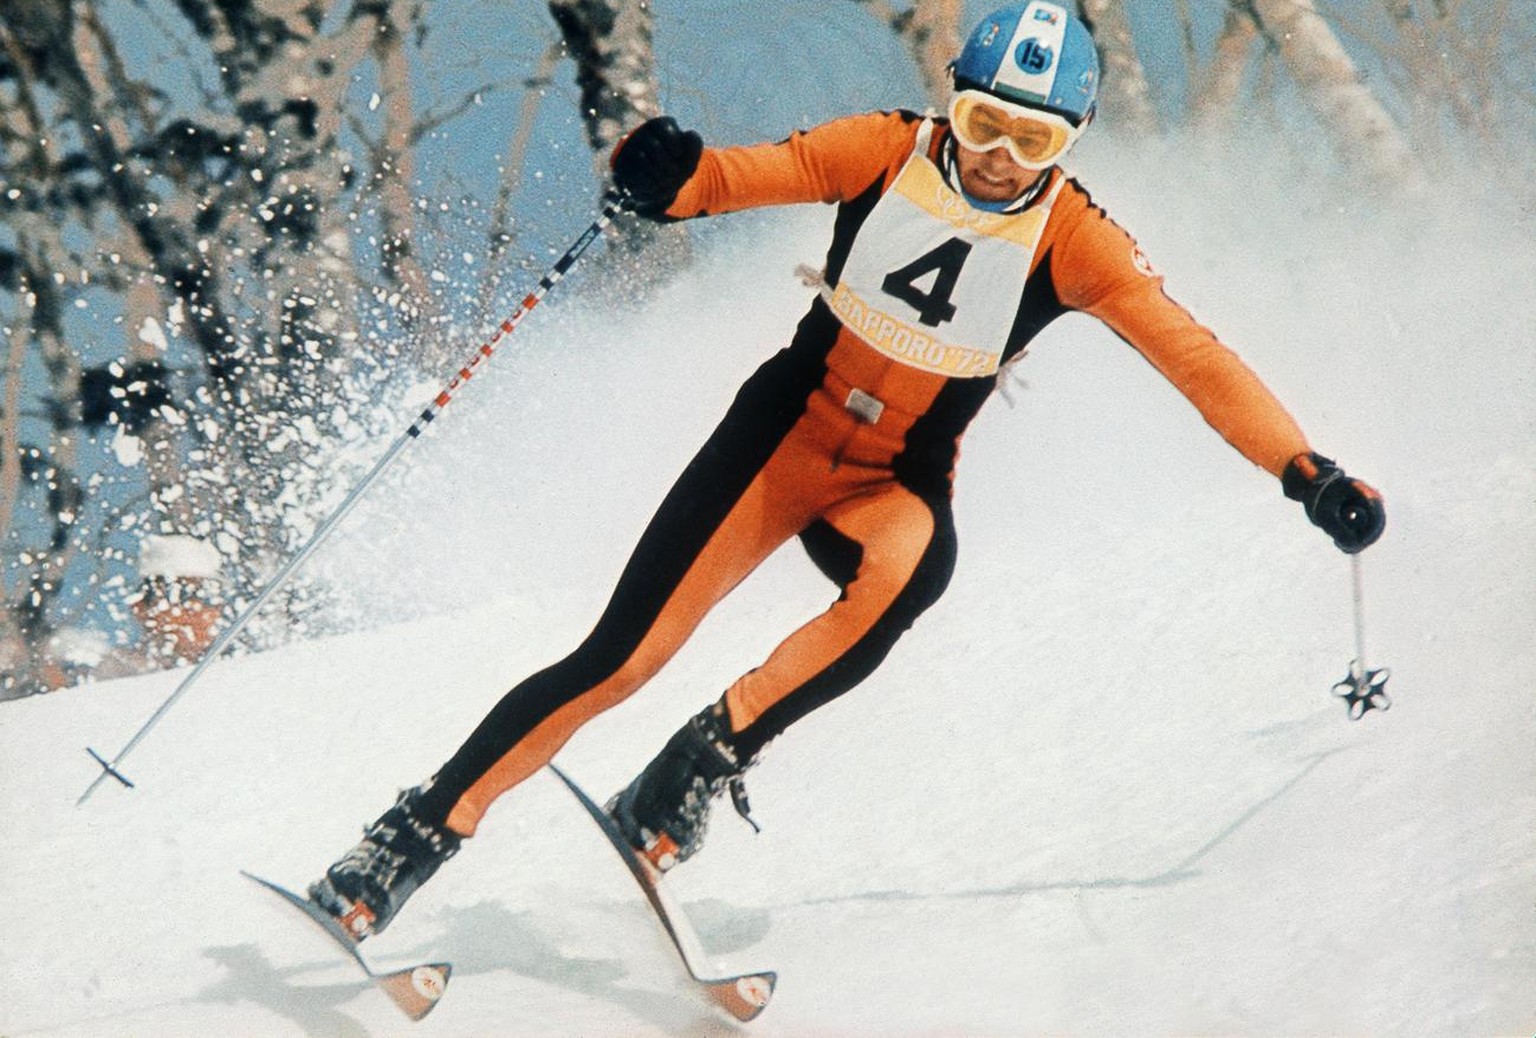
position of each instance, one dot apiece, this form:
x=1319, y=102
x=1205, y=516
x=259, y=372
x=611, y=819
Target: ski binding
x=415, y=989
x=743, y=996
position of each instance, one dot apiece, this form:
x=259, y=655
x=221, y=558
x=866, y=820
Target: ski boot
x=371, y=882
x=664, y=812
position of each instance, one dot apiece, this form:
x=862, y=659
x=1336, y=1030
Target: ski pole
x=1362, y=690
x=612, y=207
x=1357, y=593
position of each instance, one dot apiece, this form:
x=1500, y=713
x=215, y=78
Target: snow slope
x=1100, y=789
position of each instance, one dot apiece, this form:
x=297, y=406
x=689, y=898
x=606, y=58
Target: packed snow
x=1101, y=788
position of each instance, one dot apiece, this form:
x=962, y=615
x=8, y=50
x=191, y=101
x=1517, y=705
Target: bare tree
x=395, y=158
x=930, y=30
x=611, y=44
x=1365, y=133
x=47, y=467
x=1466, y=82
x=1125, y=98
x=145, y=343
x=1213, y=107
x=233, y=229
x=17, y=343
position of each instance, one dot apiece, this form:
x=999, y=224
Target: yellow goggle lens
x=982, y=124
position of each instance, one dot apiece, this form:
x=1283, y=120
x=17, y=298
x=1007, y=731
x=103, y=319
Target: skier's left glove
x=653, y=163
x=1349, y=511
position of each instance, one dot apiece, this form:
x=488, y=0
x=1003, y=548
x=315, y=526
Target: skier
x=956, y=241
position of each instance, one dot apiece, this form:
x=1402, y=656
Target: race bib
x=932, y=282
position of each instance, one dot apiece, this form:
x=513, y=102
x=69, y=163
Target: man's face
x=992, y=176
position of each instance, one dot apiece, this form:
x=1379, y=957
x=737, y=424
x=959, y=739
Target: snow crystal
x=150, y=332
x=127, y=448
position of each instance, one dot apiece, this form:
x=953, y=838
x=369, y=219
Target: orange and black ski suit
x=847, y=438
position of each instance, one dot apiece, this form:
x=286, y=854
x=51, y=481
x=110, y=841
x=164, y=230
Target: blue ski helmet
x=1033, y=53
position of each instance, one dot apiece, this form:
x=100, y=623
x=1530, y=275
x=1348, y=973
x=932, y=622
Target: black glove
x=652, y=164
x=1346, y=509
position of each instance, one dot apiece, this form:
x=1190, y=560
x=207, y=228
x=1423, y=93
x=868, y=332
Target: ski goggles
x=1034, y=138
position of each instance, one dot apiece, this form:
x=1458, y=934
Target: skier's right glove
x=1349, y=511
x=653, y=163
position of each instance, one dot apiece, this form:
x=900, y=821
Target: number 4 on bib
x=933, y=306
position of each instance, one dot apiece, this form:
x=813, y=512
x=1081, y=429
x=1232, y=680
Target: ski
x=743, y=996
x=415, y=989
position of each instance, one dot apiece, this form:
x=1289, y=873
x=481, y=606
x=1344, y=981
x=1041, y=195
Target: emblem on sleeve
x=1141, y=262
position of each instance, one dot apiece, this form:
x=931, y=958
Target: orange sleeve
x=834, y=162
x=1099, y=269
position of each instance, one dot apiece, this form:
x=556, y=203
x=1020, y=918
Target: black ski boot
x=371, y=882
x=664, y=812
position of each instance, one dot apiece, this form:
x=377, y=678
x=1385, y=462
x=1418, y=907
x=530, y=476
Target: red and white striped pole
x=611, y=209
x=552, y=277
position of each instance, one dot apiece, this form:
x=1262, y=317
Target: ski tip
x=319, y=916
x=417, y=990
x=746, y=996
x=276, y=888
x=257, y=879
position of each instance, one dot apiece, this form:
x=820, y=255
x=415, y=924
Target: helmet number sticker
x=933, y=305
